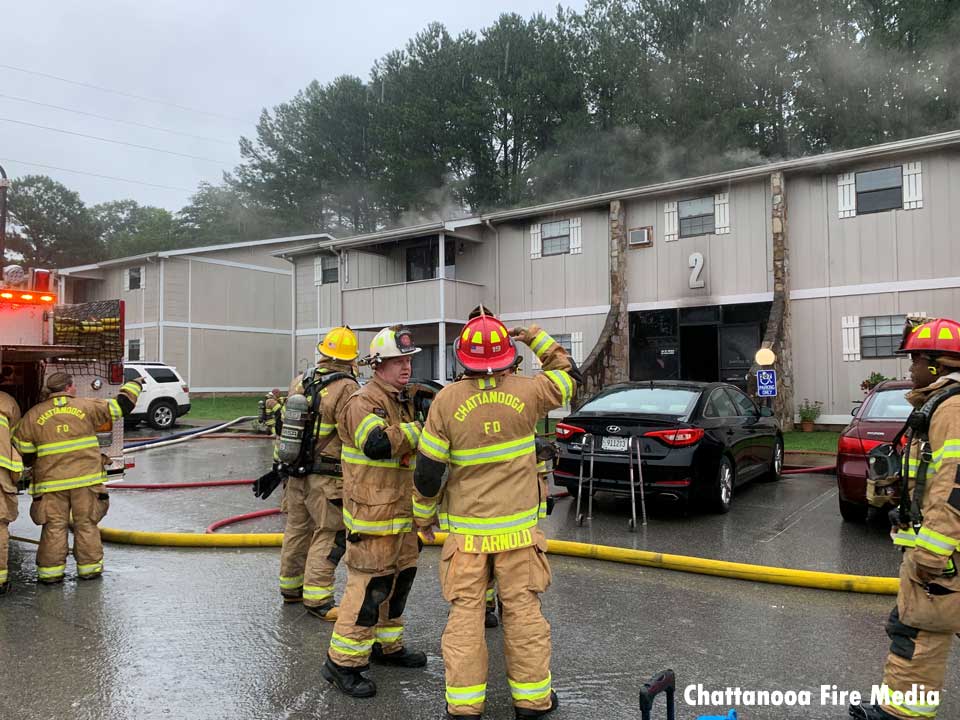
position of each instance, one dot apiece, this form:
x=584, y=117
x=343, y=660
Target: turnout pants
x=918, y=656
x=79, y=509
x=380, y=573
x=313, y=539
x=521, y=575
x=8, y=513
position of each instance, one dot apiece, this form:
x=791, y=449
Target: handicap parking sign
x=766, y=383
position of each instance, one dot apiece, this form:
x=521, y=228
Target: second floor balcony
x=411, y=302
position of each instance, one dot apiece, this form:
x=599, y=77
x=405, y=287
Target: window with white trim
x=555, y=238
x=697, y=216
x=134, y=278
x=329, y=269
x=880, y=335
x=133, y=349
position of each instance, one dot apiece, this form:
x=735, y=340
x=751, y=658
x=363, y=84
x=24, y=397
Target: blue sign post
x=767, y=383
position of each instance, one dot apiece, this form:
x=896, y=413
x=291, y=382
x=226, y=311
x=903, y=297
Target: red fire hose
x=213, y=527
x=824, y=469
x=177, y=486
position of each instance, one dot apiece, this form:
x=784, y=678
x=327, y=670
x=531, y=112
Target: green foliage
x=50, y=225
x=821, y=441
x=810, y=411
x=127, y=228
x=874, y=379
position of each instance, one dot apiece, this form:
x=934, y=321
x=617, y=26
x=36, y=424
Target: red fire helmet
x=485, y=346
x=934, y=337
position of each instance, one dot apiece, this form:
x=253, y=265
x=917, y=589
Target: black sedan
x=697, y=440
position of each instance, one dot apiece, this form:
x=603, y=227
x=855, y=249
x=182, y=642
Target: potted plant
x=871, y=382
x=809, y=412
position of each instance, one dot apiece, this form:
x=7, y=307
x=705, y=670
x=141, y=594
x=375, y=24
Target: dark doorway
x=699, y=355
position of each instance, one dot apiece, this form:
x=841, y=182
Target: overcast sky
x=226, y=59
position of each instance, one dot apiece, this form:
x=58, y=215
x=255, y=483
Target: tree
x=51, y=225
x=220, y=214
x=131, y=229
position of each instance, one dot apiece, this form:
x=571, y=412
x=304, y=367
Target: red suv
x=875, y=422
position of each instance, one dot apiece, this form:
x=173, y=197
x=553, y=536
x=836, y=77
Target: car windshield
x=675, y=402
x=889, y=405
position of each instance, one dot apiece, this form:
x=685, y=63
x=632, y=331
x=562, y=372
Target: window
x=163, y=375
x=744, y=404
x=329, y=269
x=888, y=405
x=555, y=237
x=879, y=190
x=696, y=216
x=566, y=342
x=422, y=261
x=133, y=350
x=130, y=374
x=672, y=402
x=135, y=278
x=880, y=336
x=720, y=405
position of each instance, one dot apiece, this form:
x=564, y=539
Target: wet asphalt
x=201, y=633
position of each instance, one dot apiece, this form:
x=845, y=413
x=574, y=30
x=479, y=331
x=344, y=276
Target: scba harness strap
x=917, y=427
x=313, y=383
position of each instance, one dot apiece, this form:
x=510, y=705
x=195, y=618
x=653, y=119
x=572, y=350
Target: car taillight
x=565, y=431
x=678, y=437
x=185, y=388
x=852, y=445
x=116, y=373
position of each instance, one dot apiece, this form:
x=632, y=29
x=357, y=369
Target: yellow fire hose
x=665, y=561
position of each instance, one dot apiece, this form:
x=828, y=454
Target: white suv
x=165, y=395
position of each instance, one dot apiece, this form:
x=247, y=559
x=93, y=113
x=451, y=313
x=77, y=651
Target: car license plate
x=614, y=443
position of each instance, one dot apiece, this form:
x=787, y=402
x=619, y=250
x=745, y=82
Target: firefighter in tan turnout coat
x=484, y=428
x=59, y=438
x=10, y=468
x=380, y=438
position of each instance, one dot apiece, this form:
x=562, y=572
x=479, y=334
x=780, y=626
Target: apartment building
x=222, y=314
x=821, y=257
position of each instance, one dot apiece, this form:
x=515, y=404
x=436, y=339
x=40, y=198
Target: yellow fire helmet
x=340, y=344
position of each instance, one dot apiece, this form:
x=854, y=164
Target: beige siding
x=259, y=256
x=254, y=360
x=306, y=352
x=306, y=293
x=329, y=296
x=735, y=263
x=878, y=247
x=150, y=347
x=176, y=294
x=558, y=281
x=232, y=296
x=175, y=350
x=368, y=269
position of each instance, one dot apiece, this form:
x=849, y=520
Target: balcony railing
x=411, y=302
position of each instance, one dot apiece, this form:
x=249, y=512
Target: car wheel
x=853, y=512
x=776, y=462
x=162, y=415
x=721, y=491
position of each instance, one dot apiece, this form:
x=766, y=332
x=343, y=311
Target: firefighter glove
x=264, y=485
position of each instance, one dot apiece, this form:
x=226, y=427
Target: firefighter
x=484, y=428
x=274, y=408
x=922, y=625
x=314, y=539
x=58, y=437
x=380, y=437
x=10, y=469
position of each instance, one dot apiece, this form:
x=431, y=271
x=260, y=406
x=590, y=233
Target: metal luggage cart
x=588, y=447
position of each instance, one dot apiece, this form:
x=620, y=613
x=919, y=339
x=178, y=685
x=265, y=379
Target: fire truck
x=39, y=336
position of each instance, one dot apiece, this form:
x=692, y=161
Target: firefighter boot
x=350, y=681
x=292, y=596
x=522, y=713
x=870, y=712
x=328, y=612
x=401, y=658
x=5, y=588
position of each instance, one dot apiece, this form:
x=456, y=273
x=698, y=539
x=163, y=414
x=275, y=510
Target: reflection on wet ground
x=201, y=633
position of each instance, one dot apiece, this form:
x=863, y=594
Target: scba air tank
x=294, y=427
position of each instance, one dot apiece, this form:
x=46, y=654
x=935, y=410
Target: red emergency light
x=18, y=297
